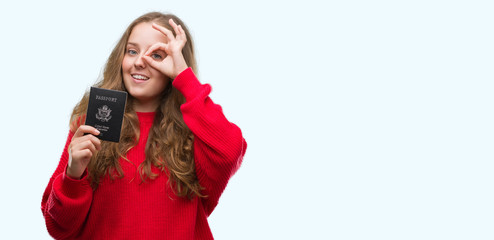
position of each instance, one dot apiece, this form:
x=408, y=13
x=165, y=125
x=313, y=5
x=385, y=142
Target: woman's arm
x=218, y=144
x=66, y=201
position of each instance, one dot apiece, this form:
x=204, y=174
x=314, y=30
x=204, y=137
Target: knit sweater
x=127, y=208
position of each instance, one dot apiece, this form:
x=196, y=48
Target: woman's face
x=143, y=82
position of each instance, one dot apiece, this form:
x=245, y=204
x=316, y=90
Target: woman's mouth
x=138, y=78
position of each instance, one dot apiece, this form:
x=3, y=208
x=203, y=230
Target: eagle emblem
x=103, y=113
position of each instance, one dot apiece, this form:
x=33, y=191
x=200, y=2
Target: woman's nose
x=139, y=62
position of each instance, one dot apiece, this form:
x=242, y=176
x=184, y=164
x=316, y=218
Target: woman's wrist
x=72, y=175
x=180, y=65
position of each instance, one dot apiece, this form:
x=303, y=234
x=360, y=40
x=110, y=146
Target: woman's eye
x=132, y=52
x=156, y=56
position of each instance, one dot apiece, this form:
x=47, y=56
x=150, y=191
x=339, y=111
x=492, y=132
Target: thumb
x=151, y=62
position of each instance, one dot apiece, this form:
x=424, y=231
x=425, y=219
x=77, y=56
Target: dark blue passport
x=105, y=112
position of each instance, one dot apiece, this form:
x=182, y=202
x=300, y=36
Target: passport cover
x=105, y=112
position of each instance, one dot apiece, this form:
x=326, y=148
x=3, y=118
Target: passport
x=105, y=112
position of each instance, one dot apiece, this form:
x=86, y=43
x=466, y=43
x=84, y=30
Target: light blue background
x=364, y=119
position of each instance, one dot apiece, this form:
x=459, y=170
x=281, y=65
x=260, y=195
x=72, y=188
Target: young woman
x=176, y=153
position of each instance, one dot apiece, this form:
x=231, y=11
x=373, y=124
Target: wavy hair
x=170, y=143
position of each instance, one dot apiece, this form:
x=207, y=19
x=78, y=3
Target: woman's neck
x=146, y=106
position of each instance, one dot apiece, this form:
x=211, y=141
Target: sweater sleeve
x=219, y=146
x=66, y=201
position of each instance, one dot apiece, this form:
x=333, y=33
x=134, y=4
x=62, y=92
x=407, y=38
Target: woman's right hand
x=81, y=149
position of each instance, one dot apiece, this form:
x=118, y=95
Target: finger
x=95, y=141
x=174, y=26
x=182, y=32
x=155, y=47
x=82, y=144
x=165, y=31
x=85, y=129
x=88, y=145
x=153, y=63
x=82, y=154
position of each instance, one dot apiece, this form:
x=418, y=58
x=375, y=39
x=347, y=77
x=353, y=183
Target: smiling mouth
x=139, y=78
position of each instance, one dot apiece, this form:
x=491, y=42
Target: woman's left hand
x=174, y=62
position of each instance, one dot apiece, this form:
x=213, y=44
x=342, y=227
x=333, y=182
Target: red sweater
x=129, y=209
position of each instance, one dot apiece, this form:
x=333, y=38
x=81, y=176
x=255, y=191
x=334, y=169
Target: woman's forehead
x=143, y=34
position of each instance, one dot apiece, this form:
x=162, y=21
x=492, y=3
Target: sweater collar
x=146, y=117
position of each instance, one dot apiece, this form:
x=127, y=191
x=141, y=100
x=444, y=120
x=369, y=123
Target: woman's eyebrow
x=134, y=44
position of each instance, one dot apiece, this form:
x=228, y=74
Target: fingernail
x=97, y=131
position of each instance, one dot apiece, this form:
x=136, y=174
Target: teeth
x=140, y=77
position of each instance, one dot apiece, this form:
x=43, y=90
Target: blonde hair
x=170, y=143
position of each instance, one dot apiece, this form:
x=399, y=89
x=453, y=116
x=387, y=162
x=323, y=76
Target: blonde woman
x=176, y=153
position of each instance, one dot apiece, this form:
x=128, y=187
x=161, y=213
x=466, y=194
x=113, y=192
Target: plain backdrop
x=364, y=119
